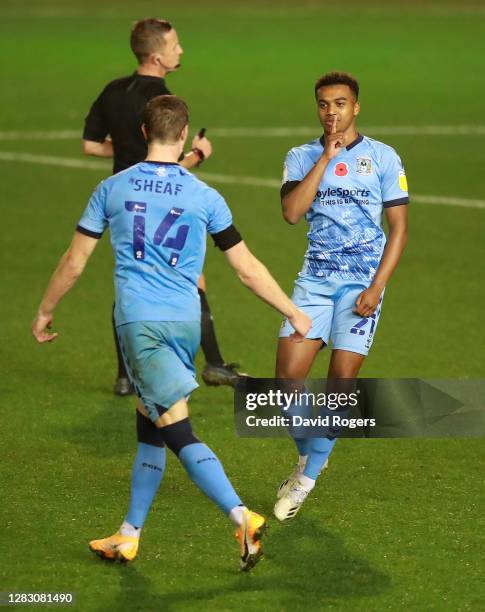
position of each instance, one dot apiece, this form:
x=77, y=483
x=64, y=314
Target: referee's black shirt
x=118, y=111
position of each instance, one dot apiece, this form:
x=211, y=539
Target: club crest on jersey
x=341, y=169
x=160, y=171
x=364, y=165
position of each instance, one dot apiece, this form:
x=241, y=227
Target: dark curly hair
x=338, y=78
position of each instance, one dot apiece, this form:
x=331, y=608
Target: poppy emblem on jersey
x=341, y=169
x=364, y=165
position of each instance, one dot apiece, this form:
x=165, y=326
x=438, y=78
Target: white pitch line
x=51, y=160
x=273, y=183
x=232, y=179
x=396, y=130
x=228, y=179
x=276, y=132
x=446, y=201
x=42, y=135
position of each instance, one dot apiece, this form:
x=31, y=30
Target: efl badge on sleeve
x=364, y=165
x=403, y=181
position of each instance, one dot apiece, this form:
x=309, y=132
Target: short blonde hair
x=147, y=36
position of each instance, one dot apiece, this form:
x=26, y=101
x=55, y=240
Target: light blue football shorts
x=159, y=357
x=329, y=303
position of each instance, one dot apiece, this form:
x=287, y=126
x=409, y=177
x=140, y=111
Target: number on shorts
x=357, y=328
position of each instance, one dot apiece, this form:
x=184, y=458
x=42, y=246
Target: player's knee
x=147, y=432
x=344, y=372
x=345, y=365
x=281, y=371
x=178, y=435
x=286, y=369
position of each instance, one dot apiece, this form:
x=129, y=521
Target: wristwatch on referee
x=200, y=155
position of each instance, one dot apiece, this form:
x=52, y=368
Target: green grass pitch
x=396, y=524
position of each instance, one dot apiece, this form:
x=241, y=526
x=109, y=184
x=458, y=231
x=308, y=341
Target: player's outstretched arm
x=68, y=270
x=257, y=278
x=397, y=220
x=98, y=149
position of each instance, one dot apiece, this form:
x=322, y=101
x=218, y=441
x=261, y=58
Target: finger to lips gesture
x=334, y=141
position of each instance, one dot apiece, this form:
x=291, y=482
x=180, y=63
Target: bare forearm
x=296, y=203
x=98, y=149
x=190, y=160
x=257, y=278
x=390, y=258
x=63, y=279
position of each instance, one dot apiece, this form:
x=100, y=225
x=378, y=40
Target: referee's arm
x=98, y=149
x=96, y=140
x=201, y=150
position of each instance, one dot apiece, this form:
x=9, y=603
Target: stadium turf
x=396, y=524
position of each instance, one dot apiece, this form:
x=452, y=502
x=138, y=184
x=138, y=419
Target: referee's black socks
x=122, y=373
x=208, y=340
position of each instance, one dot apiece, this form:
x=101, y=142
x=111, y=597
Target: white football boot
x=288, y=505
x=286, y=485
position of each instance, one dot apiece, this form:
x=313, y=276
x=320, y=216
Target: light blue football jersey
x=345, y=235
x=158, y=215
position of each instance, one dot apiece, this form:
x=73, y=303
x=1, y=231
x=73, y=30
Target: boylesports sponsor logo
x=340, y=192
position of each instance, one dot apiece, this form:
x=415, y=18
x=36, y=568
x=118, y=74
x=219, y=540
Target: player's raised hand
x=40, y=326
x=204, y=144
x=333, y=141
x=367, y=302
x=301, y=323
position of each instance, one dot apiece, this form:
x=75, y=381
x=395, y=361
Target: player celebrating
x=158, y=214
x=113, y=129
x=340, y=182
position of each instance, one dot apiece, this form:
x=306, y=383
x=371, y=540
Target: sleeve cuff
x=397, y=202
x=94, y=136
x=87, y=232
x=287, y=187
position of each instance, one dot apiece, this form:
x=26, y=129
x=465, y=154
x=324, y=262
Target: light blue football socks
x=319, y=450
x=148, y=469
x=205, y=471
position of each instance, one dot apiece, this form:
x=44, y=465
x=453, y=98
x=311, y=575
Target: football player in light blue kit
x=341, y=183
x=159, y=214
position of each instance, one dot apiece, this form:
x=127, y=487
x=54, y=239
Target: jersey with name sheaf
x=158, y=215
x=345, y=235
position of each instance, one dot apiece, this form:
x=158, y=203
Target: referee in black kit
x=113, y=129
